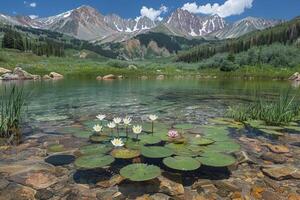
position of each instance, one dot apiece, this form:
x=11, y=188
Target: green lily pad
x=93, y=161
x=125, y=153
x=56, y=148
x=183, y=126
x=149, y=139
x=215, y=159
x=140, y=172
x=99, y=138
x=76, y=132
x=156, y=152
x=133, y=144
x=184, y=150
x=182, y=163
x=201, y=141
x=158, y=127
x=95, y=149
x=224, y=147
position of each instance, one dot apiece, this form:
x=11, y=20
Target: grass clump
x=11, y=106
x=276, y=112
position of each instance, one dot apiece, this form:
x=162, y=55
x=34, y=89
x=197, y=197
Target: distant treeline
x=46, y=42
x=285, y=33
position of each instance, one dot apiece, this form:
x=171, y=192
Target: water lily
x=111, y=125
x=117, y=120
x=173, y=134
x=153, y=118
x=197, y=136
x=101, y=117
x=137, y=130
x=97, y=128
x=127, y=120
x=117, y=142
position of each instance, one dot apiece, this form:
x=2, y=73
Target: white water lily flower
x=97, y=128
x=197, y=136
x=137, y=129
x=101, y=117
x=111, y=125
x=117, y=120
x=153, y=117
x=117, y=142
x=127, y=120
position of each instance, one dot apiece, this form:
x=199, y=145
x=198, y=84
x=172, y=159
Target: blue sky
x=276, y=9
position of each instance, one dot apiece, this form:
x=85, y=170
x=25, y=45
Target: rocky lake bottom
x=43, y=165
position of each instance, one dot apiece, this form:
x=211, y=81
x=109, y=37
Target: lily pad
x=56, y=148
x=93, y=161
x=201, y=141
x=76, y=132
x=99, y=138
x=158, y=127
x=183, y=126
x=224, y=147
x=125, y=153
x=149, y=139
x=140, y=172
x=182, y=163
x=156, y=152
x=215, y=159
x=184, y=150
x=95, y=149
x=133, y=144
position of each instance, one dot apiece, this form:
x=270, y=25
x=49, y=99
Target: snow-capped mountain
x=244, y=26
x=87, y=23
x=183, y=22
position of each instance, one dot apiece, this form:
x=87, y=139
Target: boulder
x=36, y=77
x=99, y=78
x=295, y=77
x=17, y=192
x=22, y=74
x=120, y=77
x=4, y=71
x=9, y=76
x=55, y=75
x=160, y=77
x=144, y=77
x=46, y=77
x=170, y=188
x=109, y=77
x=132, y=67
x=277, y=148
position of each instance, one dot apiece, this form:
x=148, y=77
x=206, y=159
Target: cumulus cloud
x=153, y=14
x=33, y=16
x=230, y=7
x=30, y=4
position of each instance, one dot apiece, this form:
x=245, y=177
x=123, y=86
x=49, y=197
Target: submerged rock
x=170, y=187
x=17, y=192
x=278, y=148
x=281, y=172
x=273, y=157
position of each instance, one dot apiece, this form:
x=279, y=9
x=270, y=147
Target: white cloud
x=33, y=4
x=30, y=4
x=33, y=16
x=153, y=14
x=230, y=7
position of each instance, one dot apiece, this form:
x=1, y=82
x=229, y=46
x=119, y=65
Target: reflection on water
x=60, y=102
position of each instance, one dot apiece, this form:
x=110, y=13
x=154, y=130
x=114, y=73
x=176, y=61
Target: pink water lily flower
x=173, y=134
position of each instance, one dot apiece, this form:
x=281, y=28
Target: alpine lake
x=212, y=157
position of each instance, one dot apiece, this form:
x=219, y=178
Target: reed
x=12, y=103
x=280, y=111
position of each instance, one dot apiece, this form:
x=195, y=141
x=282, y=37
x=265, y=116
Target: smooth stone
x=22, y=74
x=99, y=78
x=169, y=187
x=109, y=77
x=281, y=172
x=35, y=179
x=43, y=194
x=273, y=157
x=55, y=75
x=9, y=76
x=160, y=196
x=17, y=192
x=4, y=71
x=3, y=183
x=293, y=196
x=46, y=77
x=115, y=180
x=109, y=195
x=257, y=191
x=278, y=148
x=268, y=195
x=226, y=185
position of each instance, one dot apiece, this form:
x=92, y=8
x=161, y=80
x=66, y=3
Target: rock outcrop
x=55, y=75
x=295, y=77
x=4, y=71
x=18, y=74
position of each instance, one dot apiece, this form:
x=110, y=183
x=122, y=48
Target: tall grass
x=12, y=103
x=276, y=112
